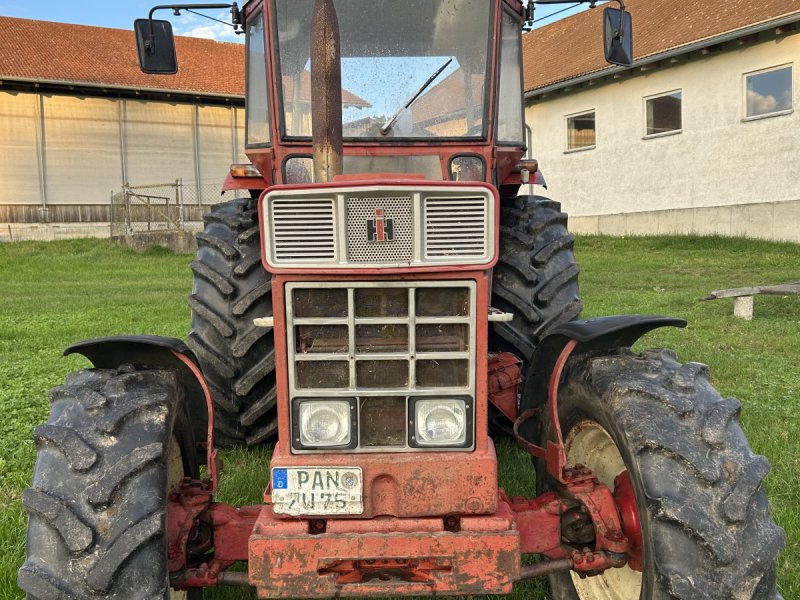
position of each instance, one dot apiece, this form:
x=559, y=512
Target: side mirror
x=618, y=33
x=155, y=46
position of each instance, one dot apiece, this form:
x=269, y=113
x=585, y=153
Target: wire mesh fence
x=171, y=206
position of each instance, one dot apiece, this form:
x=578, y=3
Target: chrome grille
x=303, y=230
x=387, y=343
x=455, y=227
x=362, y=211
x=420, y=225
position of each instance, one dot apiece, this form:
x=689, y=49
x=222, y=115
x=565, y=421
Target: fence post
x=168, y=216
x=179, y=203
x=127, y=194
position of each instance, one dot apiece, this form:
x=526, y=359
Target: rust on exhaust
x=326, y=92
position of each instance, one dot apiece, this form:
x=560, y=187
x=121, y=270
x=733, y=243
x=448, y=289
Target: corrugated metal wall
x=61, y=156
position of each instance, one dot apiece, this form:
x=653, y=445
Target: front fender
x=156, y=351
x=592, y=335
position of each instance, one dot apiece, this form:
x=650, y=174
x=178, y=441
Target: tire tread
x=230, y=290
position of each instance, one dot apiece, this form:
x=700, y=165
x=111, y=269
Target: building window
x=663, y=114
x=769, y=92
x=581, y=132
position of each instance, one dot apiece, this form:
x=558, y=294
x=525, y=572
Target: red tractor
x=382, y=301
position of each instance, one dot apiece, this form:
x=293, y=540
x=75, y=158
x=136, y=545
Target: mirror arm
x=236, y=17
x=620, y=33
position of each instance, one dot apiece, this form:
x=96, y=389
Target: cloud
x=761, y=104
x=193, y=25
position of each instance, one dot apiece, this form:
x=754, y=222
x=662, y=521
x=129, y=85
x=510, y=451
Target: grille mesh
x=362, y=210
x=455, y=227
x=303, y=231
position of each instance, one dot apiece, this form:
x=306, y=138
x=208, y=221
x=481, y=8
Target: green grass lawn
x=56, y=293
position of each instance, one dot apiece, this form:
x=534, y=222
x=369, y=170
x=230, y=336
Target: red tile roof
x=42, y=51
x=99, y=56
x=573, y=47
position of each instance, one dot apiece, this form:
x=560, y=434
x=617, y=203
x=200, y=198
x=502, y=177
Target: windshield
x=410, y=70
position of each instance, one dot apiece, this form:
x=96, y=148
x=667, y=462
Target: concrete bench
x=743, y=297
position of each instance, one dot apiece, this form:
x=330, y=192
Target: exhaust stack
x=326, y=92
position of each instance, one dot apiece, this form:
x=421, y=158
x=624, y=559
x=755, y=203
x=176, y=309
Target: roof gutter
x=126, y=88
x=726, y=37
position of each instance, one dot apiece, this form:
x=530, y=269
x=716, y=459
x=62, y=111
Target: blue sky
x=121, y=14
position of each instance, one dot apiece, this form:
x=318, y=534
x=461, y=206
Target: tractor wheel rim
x=589, y=444
x=175, y=474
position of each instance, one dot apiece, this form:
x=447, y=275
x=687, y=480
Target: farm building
x=78, y=120
x=701, y=136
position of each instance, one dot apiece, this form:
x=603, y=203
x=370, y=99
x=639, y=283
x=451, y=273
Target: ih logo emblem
x=381, y=228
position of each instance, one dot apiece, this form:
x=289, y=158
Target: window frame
x=567, y=149
x=260, y=12
x=280, y=110
x=777, y=113
x=516, y=19
x=646, y=99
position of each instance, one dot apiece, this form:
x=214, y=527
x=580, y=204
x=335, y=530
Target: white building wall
x=19, y=158
x=216, y=143
x=82, y=142
x=159, y=142
x=67, y=154
x=719, y=175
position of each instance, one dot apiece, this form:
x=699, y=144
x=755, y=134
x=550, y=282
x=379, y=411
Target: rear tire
x=231, y=288
x=115, y=444
x=705, y=522
x=536, y=279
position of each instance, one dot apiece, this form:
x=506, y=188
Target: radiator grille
x=303, y=231
x=403, y=226
x=397, y=215
x=455, y=227
x=383, y=344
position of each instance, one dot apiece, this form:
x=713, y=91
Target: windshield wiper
x=390, y=123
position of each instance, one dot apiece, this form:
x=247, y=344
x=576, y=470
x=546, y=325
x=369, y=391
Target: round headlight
x=440, y=422
x=324, y=423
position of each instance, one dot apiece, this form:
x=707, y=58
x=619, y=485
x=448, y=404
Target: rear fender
x=156, y=351
x=592, y=336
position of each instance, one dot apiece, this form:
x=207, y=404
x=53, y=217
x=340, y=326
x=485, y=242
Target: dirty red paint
x=631, y=526
x=504, y=378
x=414, y=484
x=384, y=556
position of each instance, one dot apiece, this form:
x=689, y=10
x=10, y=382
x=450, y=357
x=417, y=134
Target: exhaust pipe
x=326, y=92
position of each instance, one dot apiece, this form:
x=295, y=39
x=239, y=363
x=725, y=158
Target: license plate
x=317, y=491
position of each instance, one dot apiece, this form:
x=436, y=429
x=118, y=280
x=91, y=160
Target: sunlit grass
x=56, y=293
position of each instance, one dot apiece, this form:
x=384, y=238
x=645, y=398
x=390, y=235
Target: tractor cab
x=430, y=88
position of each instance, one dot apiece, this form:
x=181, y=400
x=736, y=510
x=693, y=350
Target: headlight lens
x=324, y=423
x=466, y=168
x=441, y=422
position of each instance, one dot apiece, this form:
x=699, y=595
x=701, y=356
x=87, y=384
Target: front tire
x=116, y=443
x=705, y=523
